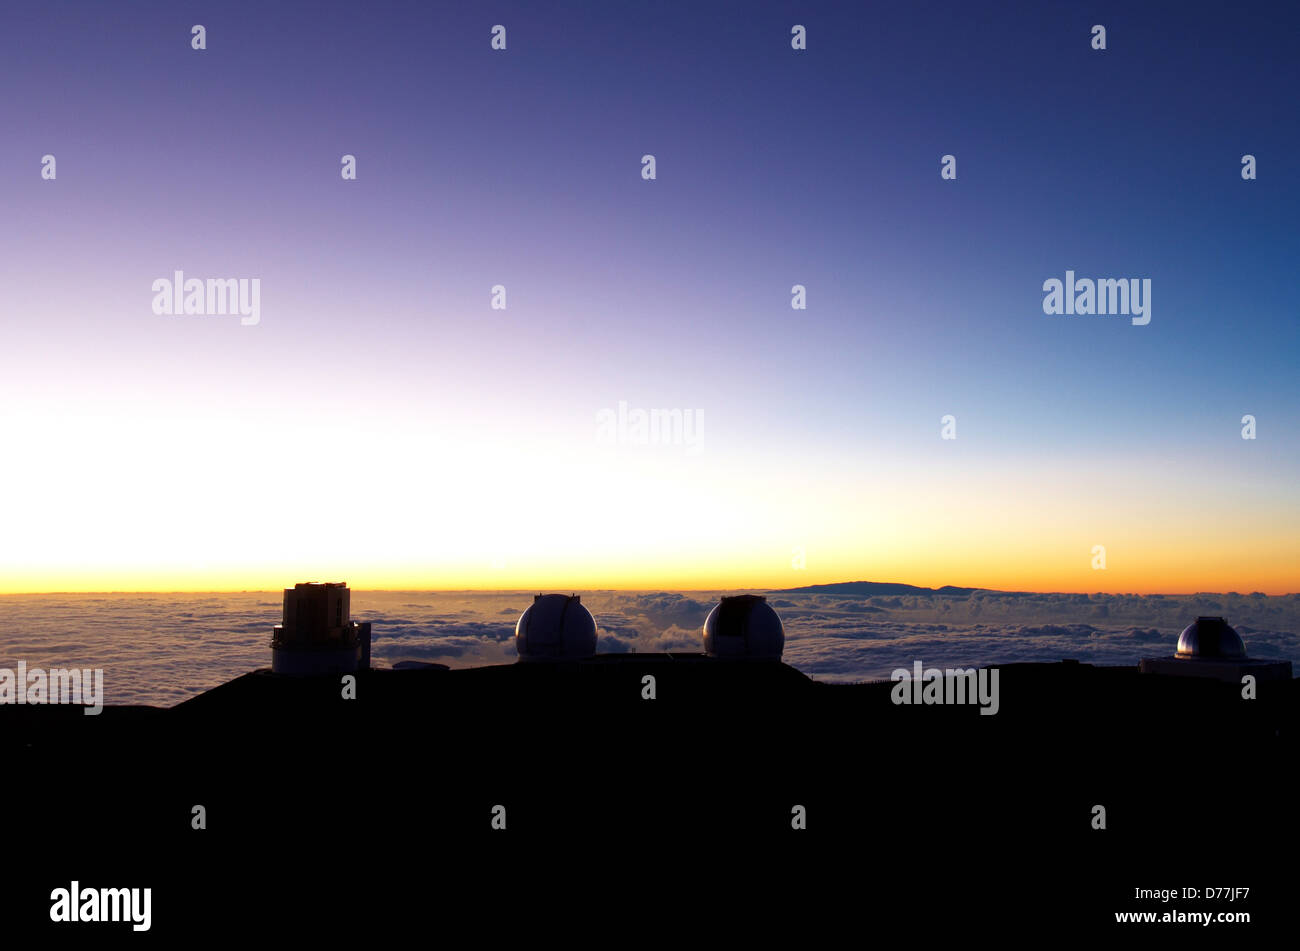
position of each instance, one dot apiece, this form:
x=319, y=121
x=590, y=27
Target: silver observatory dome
x=1210, y=638
x=556, y=627
x=744, y=626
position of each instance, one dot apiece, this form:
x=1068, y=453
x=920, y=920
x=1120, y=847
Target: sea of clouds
x=160, y=649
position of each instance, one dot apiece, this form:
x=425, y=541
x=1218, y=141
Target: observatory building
x=317, y=635
x=744, y=627
x=1209, y=647
x=555, y=627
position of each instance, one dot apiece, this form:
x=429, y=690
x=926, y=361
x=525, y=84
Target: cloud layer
x=161, y=649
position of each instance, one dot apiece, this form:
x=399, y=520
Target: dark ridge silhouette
x=868, y=588
x=629, y=778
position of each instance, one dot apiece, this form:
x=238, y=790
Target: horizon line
x=577, y=589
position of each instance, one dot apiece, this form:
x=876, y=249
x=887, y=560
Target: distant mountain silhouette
x=873, y=587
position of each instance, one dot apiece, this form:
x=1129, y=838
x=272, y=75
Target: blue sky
x=775, y=167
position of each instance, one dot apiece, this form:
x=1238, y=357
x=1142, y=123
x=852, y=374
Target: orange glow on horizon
x=176, y=519
x=1039, y=578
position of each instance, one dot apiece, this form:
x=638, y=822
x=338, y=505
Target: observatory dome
x=556, y=627
x=744, y=626
x=1210, y=638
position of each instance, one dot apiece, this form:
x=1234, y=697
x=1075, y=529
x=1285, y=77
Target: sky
x=383, y=425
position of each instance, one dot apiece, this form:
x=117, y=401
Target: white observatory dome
x=1210, y=638
x=744, y=626
x=556, y=627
